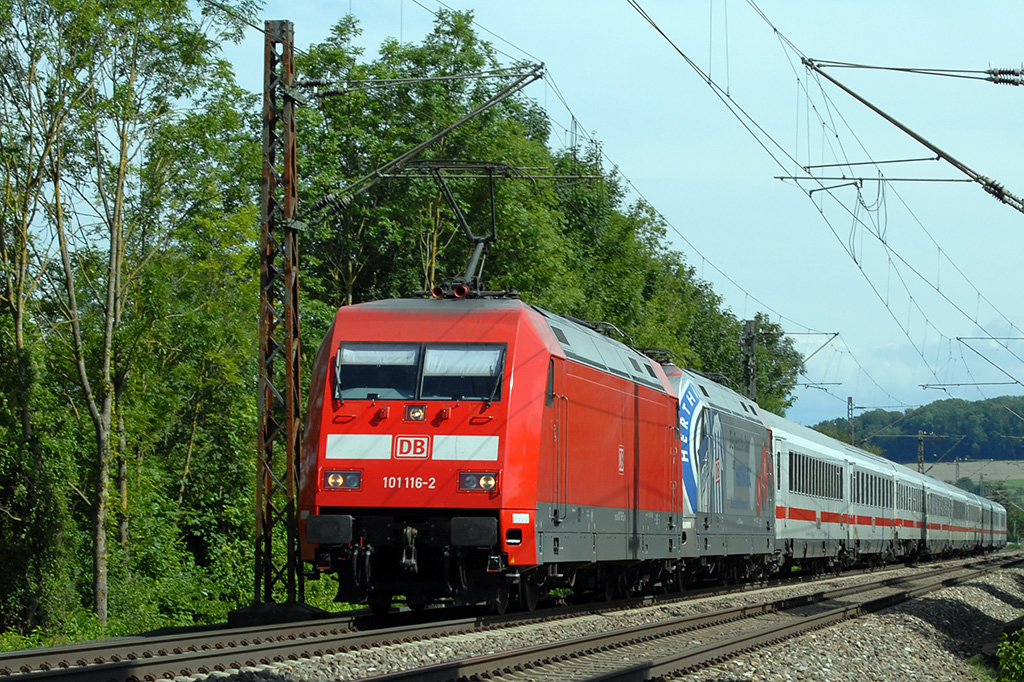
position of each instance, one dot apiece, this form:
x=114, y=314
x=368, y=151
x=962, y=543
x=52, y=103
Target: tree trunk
x=192, y=430
x=99, y=410
x=122, y=483
x=101, y=507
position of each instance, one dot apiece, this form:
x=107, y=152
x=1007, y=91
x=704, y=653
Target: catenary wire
x=717, y=91
x=552, y=84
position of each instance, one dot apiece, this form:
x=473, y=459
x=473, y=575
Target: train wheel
x=529, y=593
x=499, y=601
x=380, y=604
x=730, y=573
x=669, y=582
x=678, y=581
x=609, y=585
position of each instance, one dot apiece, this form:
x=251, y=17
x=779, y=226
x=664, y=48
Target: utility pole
x=849, y=416
x=748, y=347
x=279, y=399
x=920, y=452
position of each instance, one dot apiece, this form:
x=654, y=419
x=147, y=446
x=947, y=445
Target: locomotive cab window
x=462, y=372
x=412, y=371
x=384, y=371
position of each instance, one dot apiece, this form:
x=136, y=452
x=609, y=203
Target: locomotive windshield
x=377, y=370
x=406, y=371
x=468, y=372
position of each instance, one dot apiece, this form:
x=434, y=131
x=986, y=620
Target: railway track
x=205, y=651
x=664, y=649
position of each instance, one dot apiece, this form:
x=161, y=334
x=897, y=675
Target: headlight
x=343, y=480
x=473, y=481
x=415, y=413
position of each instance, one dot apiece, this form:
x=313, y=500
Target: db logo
x=412, y=446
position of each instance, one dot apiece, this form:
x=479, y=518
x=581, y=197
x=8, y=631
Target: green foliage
x=1011, y=658
x=990, y=429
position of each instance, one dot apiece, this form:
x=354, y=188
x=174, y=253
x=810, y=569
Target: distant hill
x=991, y=429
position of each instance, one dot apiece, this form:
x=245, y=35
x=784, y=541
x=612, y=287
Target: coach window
x=778, y=472
x=462, y=372
x=376, y=371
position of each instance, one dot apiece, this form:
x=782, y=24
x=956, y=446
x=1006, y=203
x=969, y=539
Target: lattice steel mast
x=280, y=423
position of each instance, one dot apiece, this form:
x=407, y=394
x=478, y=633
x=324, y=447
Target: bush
x=1011, y=657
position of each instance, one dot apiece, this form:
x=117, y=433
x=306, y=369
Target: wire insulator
x=994, y=188
x=1006, y=76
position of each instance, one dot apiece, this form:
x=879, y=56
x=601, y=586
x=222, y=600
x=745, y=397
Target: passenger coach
x=837, y=505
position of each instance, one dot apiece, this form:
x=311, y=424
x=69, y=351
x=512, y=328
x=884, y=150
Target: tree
x=108, y=76
x=38, y=90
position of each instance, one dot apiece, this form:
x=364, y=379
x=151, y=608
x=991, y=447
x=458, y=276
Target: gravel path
x=930, y=639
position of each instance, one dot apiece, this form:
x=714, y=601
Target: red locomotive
x=469, y=448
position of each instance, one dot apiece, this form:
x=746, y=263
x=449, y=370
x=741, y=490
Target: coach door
x=924, y=517
x=848, y=522
x=560, y=403
x=781, y=495
x=675, y=471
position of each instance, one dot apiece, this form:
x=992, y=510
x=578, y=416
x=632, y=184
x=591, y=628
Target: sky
x=900, y=292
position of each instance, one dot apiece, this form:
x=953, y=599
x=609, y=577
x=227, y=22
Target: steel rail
x=208, y=649
x=797, y=625
x=580, y=651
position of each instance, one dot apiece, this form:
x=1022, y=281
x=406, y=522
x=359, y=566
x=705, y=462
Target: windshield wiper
x=337, y=380
x=497, y=380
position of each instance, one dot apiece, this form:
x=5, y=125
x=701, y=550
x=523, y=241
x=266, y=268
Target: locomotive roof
x=452, y=304
x=715, y=394
x=588, y=347
x=578, y=342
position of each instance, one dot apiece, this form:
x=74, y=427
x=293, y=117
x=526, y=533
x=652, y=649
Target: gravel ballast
x=932, y=638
